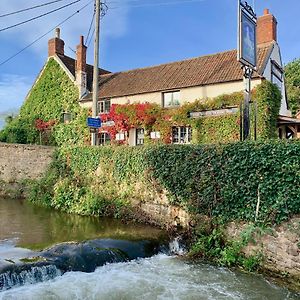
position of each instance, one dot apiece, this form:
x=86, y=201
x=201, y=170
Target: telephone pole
x=96, y=67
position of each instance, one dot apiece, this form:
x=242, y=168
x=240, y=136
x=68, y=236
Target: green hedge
x=218, y=180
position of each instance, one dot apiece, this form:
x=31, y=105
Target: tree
x=292, y=76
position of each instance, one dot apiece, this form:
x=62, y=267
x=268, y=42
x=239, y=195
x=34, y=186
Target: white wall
x=189, y=94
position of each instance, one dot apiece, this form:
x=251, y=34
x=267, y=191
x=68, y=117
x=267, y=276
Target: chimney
x=266, y=28
x=56, y=45
x=81, y=78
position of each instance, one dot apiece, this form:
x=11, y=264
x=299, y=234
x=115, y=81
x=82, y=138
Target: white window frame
x=103, y=106
x=138, y=133
x=105, y=140
x=172, y=99
x=181, y=137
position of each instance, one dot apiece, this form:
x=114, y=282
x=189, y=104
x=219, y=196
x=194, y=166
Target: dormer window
x=171, y=99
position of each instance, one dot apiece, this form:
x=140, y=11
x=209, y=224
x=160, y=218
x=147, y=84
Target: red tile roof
x=204, y=70
x=70, y=64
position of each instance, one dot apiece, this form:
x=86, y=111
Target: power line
x=40, y=37
x=29, y=8
x=40, y=16
x=103, y=11
x=88, y=43
x=91, y=24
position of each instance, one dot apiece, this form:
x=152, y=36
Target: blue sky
x=134, y=33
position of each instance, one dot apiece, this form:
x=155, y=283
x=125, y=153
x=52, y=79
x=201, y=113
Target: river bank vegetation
x=253, y=183
x=239, y=181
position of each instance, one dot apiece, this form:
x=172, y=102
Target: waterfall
x=33, y=275
x=177, y=247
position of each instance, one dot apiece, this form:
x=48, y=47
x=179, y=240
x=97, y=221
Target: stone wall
x=280, y=247
x=19, y=162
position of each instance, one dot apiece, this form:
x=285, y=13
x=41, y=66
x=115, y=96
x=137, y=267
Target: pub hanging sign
x=247, y=35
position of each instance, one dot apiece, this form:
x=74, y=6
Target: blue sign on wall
x=94, y=122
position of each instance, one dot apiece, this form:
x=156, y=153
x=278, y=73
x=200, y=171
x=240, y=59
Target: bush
x=224, y=181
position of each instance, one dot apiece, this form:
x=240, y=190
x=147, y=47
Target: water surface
x=26, y=229
x=32, y=227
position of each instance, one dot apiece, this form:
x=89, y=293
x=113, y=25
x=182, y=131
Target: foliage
x=53, y=94
x=71, y=184
x=226, y=252
x=41, y=125
x=129, y=116
x=292, y=80
x=74, y=132
x=225, y=180
x=268, y=99
x=222, y=181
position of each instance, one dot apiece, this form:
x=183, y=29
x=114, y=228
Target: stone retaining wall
x=19, y=162
x=280, y=247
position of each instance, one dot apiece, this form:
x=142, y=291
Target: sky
x=134, y=34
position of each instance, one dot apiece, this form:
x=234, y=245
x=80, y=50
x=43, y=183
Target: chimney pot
x=82, y=40
x=57, y=33
x=266, y=11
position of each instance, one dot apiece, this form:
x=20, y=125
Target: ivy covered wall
x=205, y=129
x=225, y=181
x=53, y=94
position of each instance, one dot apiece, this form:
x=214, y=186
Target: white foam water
x=34, y=275
x=176, y=247
x=158, y=277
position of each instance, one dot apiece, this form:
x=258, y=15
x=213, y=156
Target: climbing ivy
x=224, y=181
x=53, y=94
x=206, y=129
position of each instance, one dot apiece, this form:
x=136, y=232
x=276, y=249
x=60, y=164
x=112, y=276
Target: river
x=150, y=270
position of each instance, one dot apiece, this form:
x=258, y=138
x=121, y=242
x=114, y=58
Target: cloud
x=114, y=24
x=13, y=90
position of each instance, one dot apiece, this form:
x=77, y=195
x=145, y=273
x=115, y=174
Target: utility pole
x=96, y=67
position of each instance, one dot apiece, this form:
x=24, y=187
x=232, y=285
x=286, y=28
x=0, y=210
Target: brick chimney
x=56, y=45
x=266, y=28
x=81, y=78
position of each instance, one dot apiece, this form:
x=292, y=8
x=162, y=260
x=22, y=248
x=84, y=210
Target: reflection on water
x=37, y=228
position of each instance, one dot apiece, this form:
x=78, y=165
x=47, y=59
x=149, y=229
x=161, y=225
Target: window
x=155, y=135
x=104, y=138
x=103, y=106
x=140, y=135
x=276, y=74
x=66, y=117
x=181, y=135
x=171, y=99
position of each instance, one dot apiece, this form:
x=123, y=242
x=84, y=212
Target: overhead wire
x=29, y=8
x=88, y=43
x=90, y=28
x=40, y=16
x=40, y=37
x=104, y=8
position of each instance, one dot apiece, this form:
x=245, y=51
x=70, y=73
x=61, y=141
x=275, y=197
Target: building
x=172, y=84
